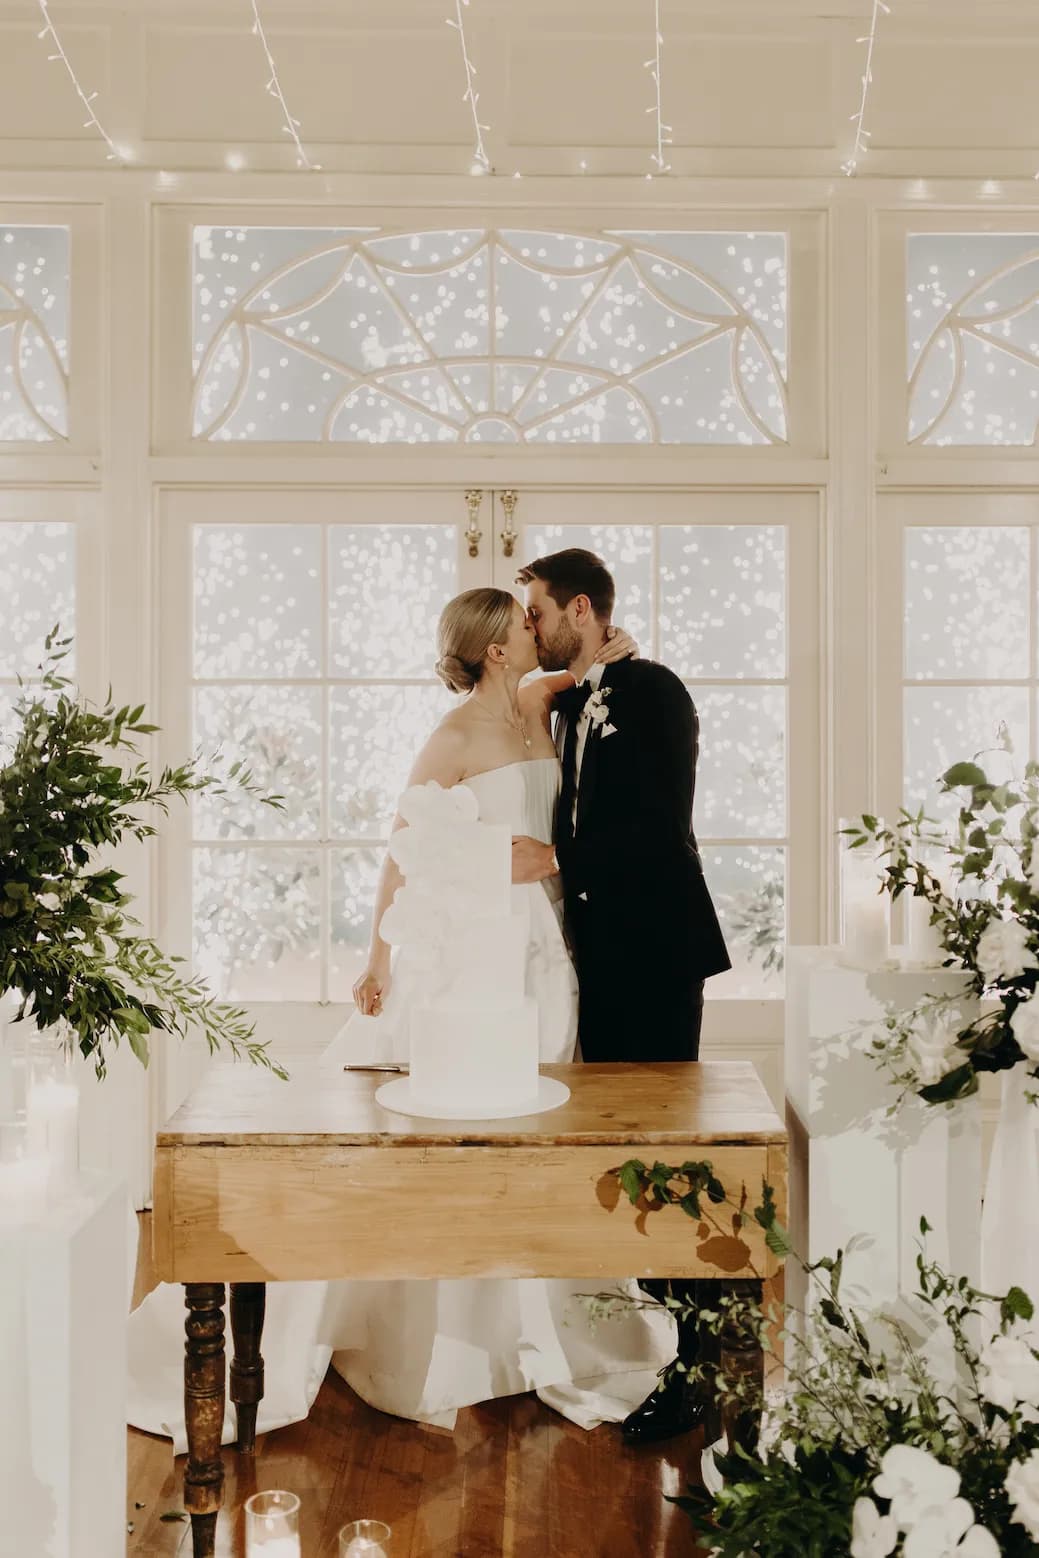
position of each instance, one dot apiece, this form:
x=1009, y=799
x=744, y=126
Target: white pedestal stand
x=1010, y=1220
x=63, y=1309
x=854, y=1171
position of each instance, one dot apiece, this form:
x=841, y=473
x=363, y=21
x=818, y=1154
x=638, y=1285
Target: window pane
x=387, y=586
x=34, y=329
x=741, y=774
x=748, y=888
x=306, y=334
x=257, y=922
x=276, y=733
x=945, y=725
x=37, y=591
x=375, y=735
x=354, y=875
x=972, y=318
x=966, y=593
x=723, y=600
x=627, y=551
x=257, y=600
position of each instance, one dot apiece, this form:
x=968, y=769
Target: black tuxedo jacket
x=639, y=917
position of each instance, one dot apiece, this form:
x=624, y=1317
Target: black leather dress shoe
x=673, y=1408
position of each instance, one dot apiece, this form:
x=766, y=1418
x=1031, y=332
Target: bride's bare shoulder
x=443, y=756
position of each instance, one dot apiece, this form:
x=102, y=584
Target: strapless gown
x=422, y=1349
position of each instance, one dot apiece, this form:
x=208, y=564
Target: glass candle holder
x=272, y=1525
x=365, y=1539
x=14, y=1059
x=23, y=1175
x=865, y=910
x=52, y=1111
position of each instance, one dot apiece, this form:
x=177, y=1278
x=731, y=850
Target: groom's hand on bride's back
x=532, y=861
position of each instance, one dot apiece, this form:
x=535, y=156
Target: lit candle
x=865, y=930
x=365, y=1539
x=272, y=1525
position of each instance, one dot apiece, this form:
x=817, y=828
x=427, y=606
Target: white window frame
x=86, y=328
x=179, y=509
x=963, y=508
x=893, y=231
x=802, y=515
x=172, y=378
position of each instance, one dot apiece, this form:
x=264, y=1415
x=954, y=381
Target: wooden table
x=261, y=1181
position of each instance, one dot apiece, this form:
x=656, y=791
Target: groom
x=639, y=916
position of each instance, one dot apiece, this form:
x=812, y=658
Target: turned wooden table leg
x=741, y=1357
x=248, y=1302
x=204, y=1383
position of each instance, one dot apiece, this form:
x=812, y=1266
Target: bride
x=422, y=1349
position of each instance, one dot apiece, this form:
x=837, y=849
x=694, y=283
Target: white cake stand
x=396, y=1095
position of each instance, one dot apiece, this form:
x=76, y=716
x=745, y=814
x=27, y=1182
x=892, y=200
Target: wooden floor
x=514, y=1480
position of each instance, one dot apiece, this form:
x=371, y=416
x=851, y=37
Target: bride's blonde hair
x=468, y=626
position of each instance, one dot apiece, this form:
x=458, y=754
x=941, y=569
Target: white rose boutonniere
x=599, y=710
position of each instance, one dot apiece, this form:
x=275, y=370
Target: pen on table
x=375, y=1068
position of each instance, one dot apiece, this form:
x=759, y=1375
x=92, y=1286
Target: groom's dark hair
x=574, y=572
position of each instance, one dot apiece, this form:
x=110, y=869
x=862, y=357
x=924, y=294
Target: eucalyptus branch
x=75, y=785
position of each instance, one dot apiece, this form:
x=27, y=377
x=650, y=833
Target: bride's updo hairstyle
x=468, y=626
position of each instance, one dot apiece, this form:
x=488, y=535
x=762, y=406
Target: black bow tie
x=573, y=700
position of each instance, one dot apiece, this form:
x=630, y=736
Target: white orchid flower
x=873, y=1535
x=915, y=1482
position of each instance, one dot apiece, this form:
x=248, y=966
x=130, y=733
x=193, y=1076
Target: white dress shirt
x=593, y=676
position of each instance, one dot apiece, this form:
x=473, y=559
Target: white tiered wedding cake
x=474, y=1038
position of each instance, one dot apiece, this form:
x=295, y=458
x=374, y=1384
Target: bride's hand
x=619, y=646
x=370, y=992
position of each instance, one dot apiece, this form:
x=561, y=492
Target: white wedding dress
x=422, y=1349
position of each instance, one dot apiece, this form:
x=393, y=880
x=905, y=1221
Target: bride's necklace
x=518, y=725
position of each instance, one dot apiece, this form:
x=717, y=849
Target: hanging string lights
x=115, y=152
x=858, y=119
x=290, y=125
x=481, y=162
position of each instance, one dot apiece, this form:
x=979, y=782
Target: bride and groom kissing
x=593, y=765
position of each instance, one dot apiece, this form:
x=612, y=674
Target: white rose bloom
x=1025, y=1027
x=1003, y=951
x=932, y=1048
x=1010, y=1372
x=915, y=1482
x=873, y=1535
x=1022, y=1485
